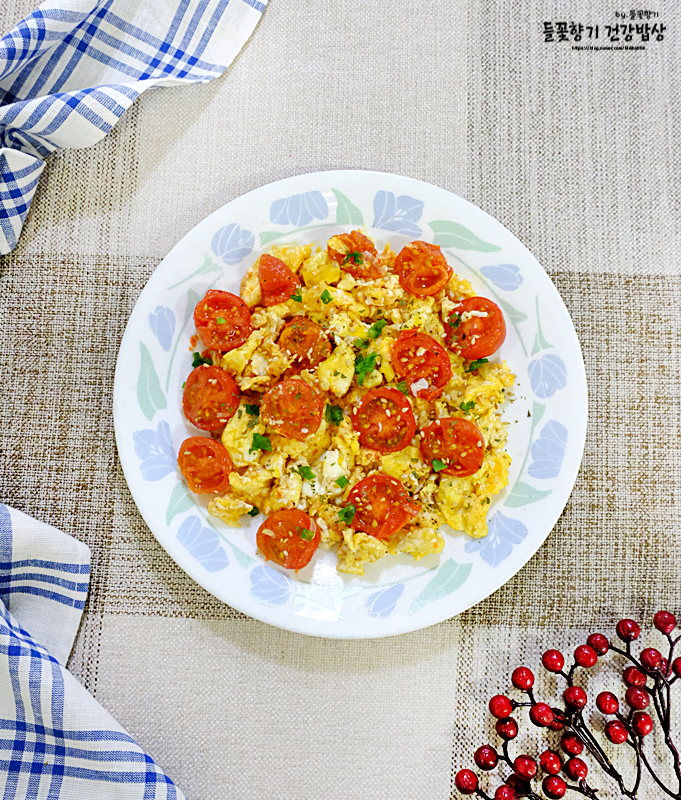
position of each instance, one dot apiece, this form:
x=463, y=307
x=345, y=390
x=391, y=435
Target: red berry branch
x=648, y=678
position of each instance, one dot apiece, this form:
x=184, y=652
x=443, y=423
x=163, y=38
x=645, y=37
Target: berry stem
x=652, y=773
x=594, y=747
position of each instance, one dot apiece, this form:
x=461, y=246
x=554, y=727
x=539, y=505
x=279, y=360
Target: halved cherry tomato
x=210, y=397
x=422, y=361
x=455, y=442
x=382, y=506
x=476, y=328
x=305, y=341
x=277, y=281
x=205, y=464
x=293, y=408
x=356, y=253
x=223, y=320
x=289, y=538
x=422, y=269
x=384, y=420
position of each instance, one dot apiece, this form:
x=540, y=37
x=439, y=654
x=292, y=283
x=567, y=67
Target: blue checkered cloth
x=70, y=70
x=56, y=741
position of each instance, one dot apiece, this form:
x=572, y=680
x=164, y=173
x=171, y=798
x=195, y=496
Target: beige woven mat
x=575, y=153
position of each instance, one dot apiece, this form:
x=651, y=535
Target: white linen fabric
x=56, y=740
x=72, y=68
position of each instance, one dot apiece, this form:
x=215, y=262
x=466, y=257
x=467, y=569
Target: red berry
x=628, y=630
x=634, y=677
x=553, y=660
x=599, y=643
x=575, y=769
x=466, y=781
x=676, y=667
x=486, y=757
x=554, y=787
x=526, y=767
x=637, y=698
x=519, y=785
x=522, y=678
x=571, y=744
x=664, y=621
x=505, y=793
x=586, y=656
x=607, y=703
x=559, y=720
x=616, y=732
x=642, y=723
x=651, y=658
x=507, y=728
x=550, y=762
x=575, y=697
x=541, y=715
x=500, y=706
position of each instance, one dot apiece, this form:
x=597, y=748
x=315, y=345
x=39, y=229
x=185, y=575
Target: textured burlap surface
x=577, y=154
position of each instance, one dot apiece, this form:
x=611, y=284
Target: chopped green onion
x=306, y=473
x=325, y=297
x=363, y=366
x=253, y=512
x=342, y=481
x=375, y=330
x=306, y=534
x=297, y=297
x=476, y=364
x=333, y=414
x=253, y=409
x=221, y=321
x=198, y=360
x=347, y=514
x=439, y=465
x=466, y=407
x=402, y=386
x=358, y=258
x=260, y=443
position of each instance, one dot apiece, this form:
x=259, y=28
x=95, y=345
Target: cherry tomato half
x=305, y=341
x=223, y=320
x=292, y=408
x=455, y=442
x=277, y=281
x=382, y=506
x=289, y=538
x=356, y=253
x=205, y=464
x=422, y=269
x=422, y=361
x=210, y=397
x=384, y=420
x=476, y=328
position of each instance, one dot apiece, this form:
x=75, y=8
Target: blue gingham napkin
x=56, y=741
x=70, y=69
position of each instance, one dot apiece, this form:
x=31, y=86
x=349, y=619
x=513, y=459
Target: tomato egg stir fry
x=349, y=396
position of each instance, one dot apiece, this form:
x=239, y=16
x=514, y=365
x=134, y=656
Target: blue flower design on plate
x=399, y=214
x=548, y=374
x=155, y=448
x=162, y=323
x=203, y=544
x=299, y=209
x=548, y=451
x=497, y=546
x=269, y=586
x=504, y=276
x=231, y=243
x=382, y=603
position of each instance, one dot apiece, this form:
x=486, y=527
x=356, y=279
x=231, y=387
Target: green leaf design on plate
x=540, y=342
x=453, y=234
x=244, y=559
x=523, y=494
x=512, y=313
x=149, y=393
x=179, y=501
x=208, y=266
x=448, y=578
x=347, y=213
x=269, y=236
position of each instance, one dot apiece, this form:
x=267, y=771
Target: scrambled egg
x=346, y=307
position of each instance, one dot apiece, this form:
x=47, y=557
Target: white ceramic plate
x=547, y=419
